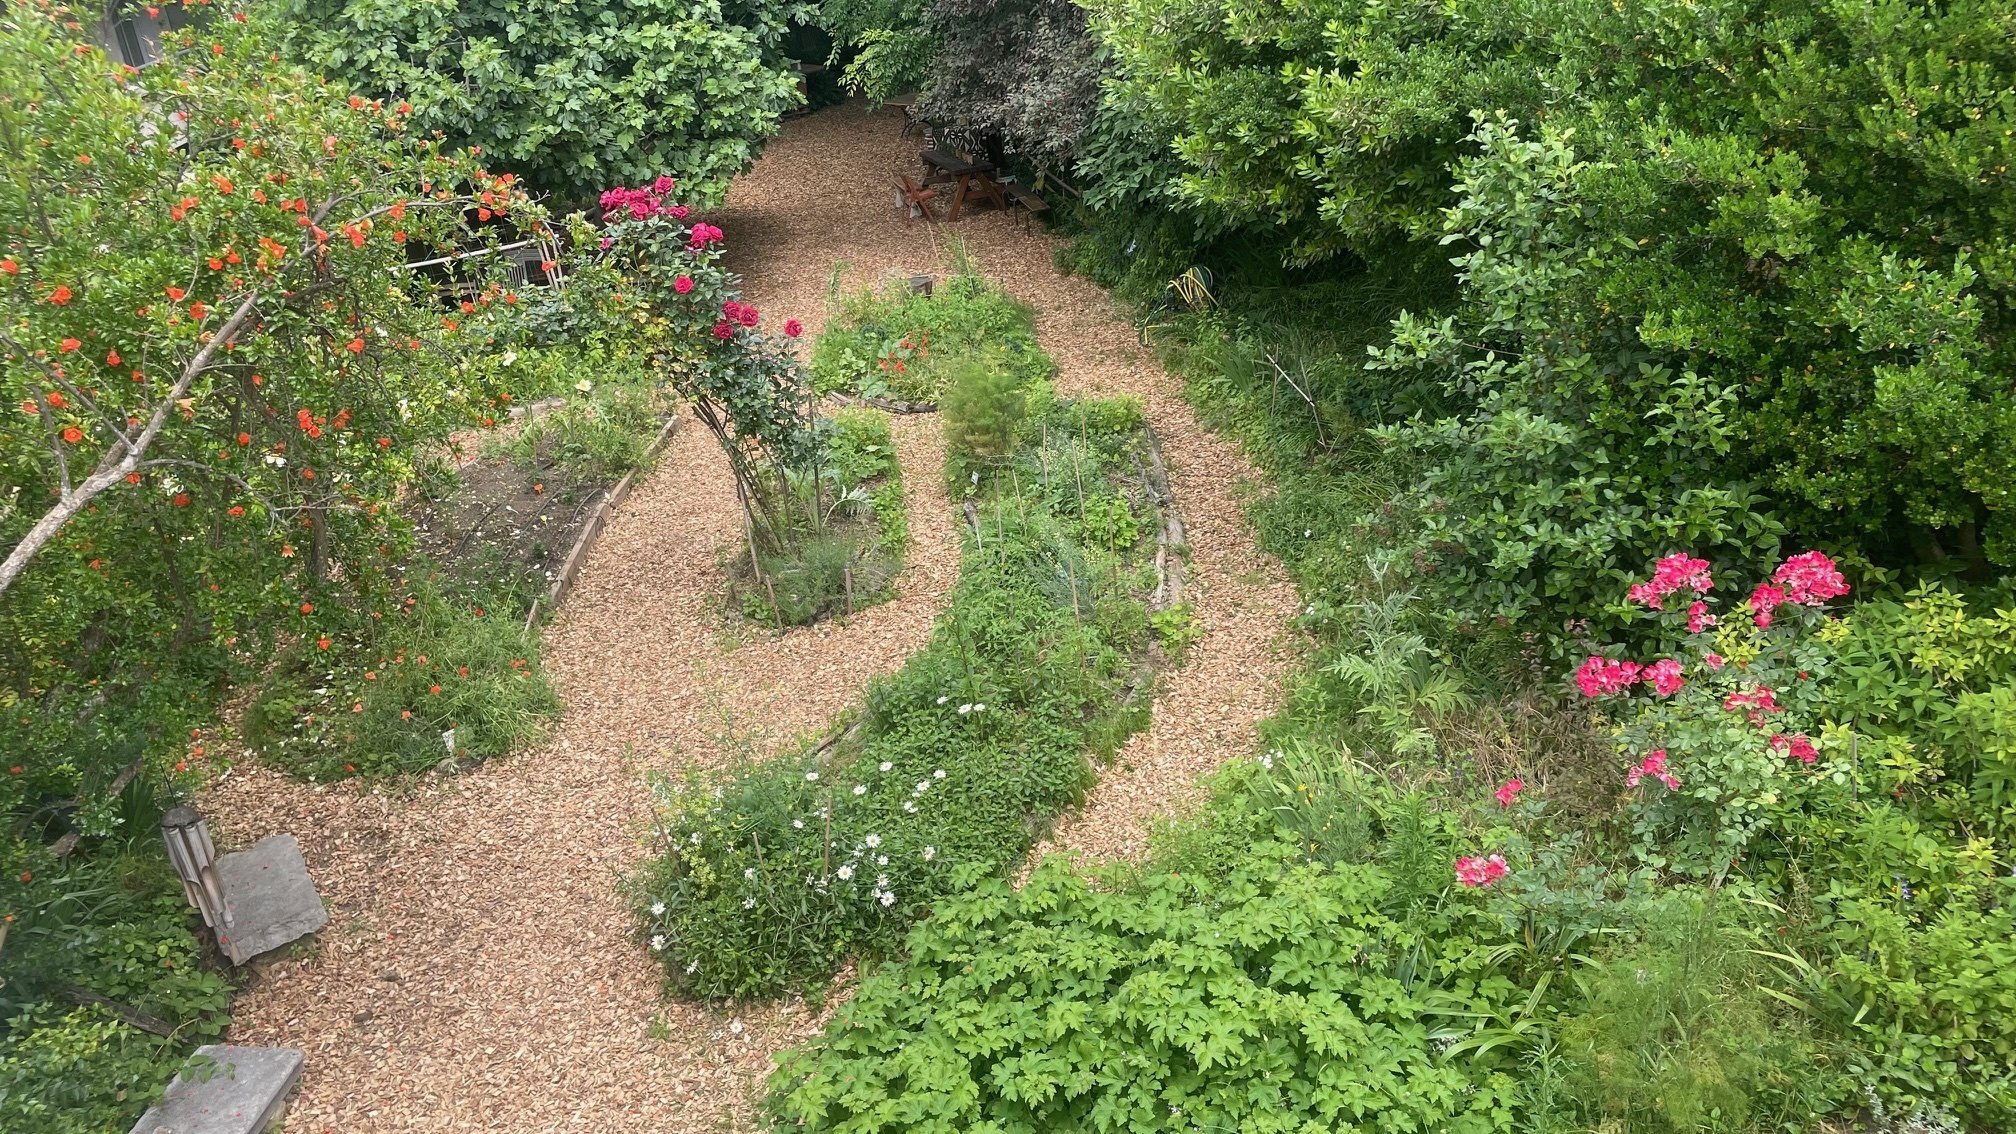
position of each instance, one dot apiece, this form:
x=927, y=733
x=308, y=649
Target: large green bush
x=1284, y=998
x=1725, y=271
x=573, y=97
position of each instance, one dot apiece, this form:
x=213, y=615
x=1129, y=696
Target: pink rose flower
x=793, y=328
x=1509, y=791
x=1600, y=675
x=1698, y=618
x=683, y=284
x=1653, y=766
x=1810, y=579
x=1481, y=871
x=724, y=330
x=1765, y=599
x=1798, y=746
x=1665, y=677
x=1675, y=572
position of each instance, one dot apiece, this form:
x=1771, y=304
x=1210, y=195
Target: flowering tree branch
x=125, y=454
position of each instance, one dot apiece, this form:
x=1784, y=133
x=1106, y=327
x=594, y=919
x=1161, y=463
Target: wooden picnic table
x=974, y=178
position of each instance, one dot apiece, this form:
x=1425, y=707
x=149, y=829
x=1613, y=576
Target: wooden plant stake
x=847, y=581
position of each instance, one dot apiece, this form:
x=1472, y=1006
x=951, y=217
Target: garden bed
x=451, y=674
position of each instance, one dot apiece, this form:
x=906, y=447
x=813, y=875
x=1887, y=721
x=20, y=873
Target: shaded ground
x=478, y=972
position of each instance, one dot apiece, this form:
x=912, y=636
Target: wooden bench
x=1032, y=205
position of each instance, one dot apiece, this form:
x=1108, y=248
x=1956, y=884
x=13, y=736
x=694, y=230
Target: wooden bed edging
x=578, y=556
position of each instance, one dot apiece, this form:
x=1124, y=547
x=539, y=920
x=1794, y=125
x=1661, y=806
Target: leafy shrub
x=1024, y=71
x=572, y=97
x=1700, y=294
x=799, y=862
x=1284, y=998
x=113, y=925
x=891, y=53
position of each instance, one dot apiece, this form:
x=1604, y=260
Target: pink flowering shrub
x=744, y=384
x=1722, y=737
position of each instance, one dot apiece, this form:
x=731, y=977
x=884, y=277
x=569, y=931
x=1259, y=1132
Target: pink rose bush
x=746, y=385
x=1721, y=735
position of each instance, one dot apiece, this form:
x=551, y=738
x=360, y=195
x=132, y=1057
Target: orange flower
x=73, y=435
x=10, y=267
x=434, y=689
x=322, y=643
x=356, y=345
x=68, y=345
x=181, y=500
x=60, y=296
x=176, y=294
x=111, y=358
x=307, y=608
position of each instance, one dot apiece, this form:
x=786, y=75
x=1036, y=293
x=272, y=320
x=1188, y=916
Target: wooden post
x=847, y=581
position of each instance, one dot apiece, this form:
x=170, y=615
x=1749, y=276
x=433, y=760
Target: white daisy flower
x=811, y=777
x=845, y=872
x=657, y=909
x=692, y=967
x=749, y=873
x=888, y=899
x=748, y=903
x=798, y=823
x=696, y=838
x=860, y=789
x=886, y=765
x=910, y=806
x=922, y=785
x=658, y=943
x=881, y=860
x=939, y=774
x=964, y=709
x=881, y=881
x=930, y=853
x=873, y=840
x=942, y=700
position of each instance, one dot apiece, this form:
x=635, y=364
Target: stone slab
x=245, y=1093
x=270, y=897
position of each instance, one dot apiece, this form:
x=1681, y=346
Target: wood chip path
x=478, y=971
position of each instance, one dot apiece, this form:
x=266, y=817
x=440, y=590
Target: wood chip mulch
x=478, y=971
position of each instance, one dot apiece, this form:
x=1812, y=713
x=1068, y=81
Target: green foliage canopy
x=574, y=97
